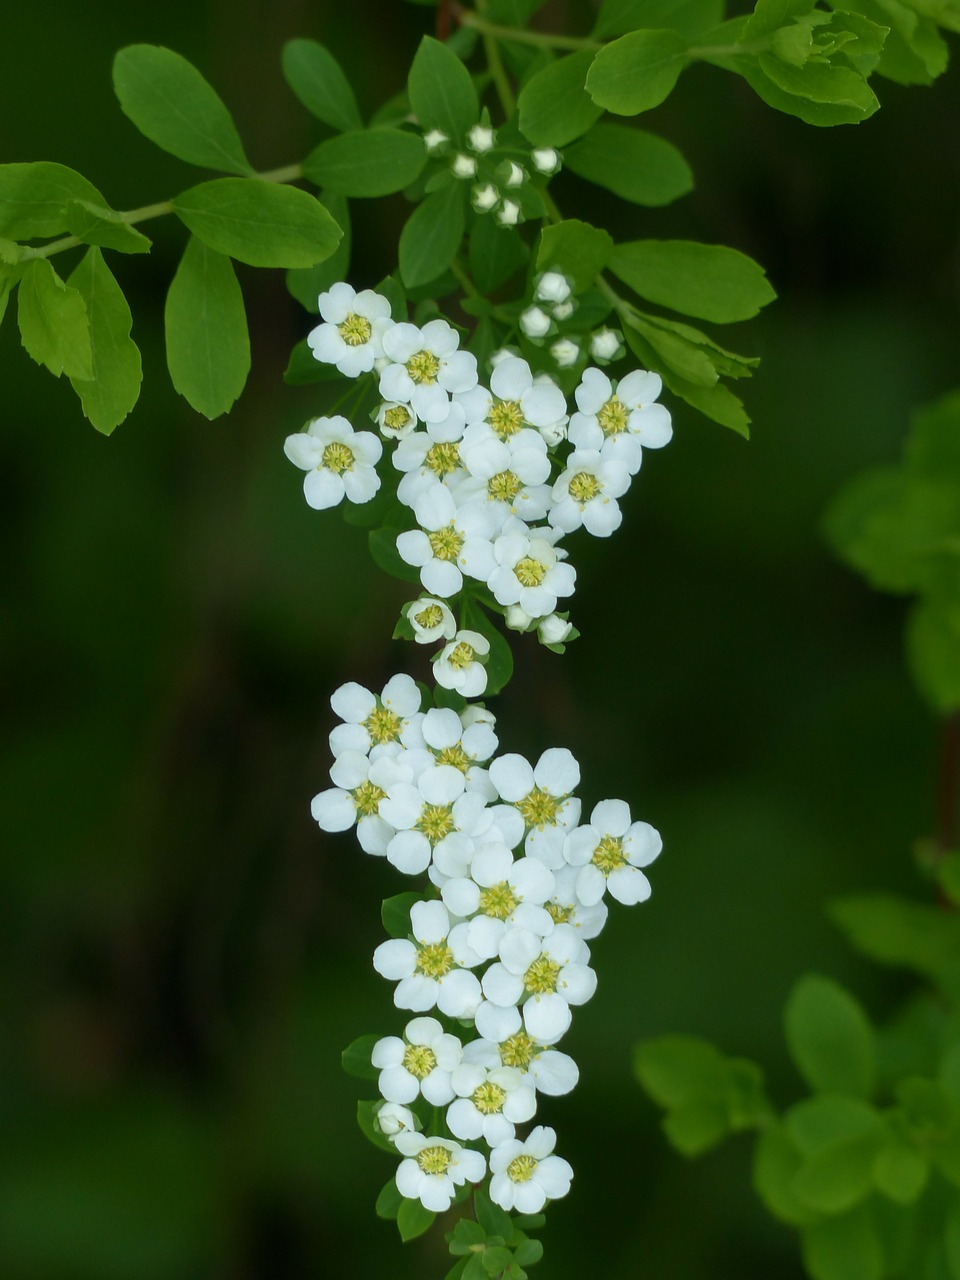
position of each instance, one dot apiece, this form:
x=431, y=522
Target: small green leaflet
x=708, y=281
x=846, y=1247
x=307, y=283
x=95, y=224
x=355, y=1058
x=114, y=389
x=575, y=248
x=830, y=1038
x=431, y=236
x=367, y=162
x=264, y=224
x=441, y=90
x=33, y=196
x=631, y=163
x=208, y=349
x=171, y=103
x=54, y=326
x=554, y=106
x=413, y=1219
x=315, y=76
x=395, y=913
x=637, y=72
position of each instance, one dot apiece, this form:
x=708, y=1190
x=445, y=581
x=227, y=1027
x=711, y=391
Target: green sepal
x=413, y=1219
x=366, y=1117
x=395, y=913
x=355, y=1059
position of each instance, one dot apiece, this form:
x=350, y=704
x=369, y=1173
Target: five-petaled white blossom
x=339, y=462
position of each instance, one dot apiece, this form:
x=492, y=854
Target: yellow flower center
x=462, y=656
x=423, y=367
x=383, y=725
x=609, y=855
x=557, y=913
x=530, y=572
x=538, y=808
x=519, y=1051
x=542, y=976
x=504, y=487
x=456, y=757
x=367, y=798
x=521, y=1168
x=429, y=617
x=436, y=822
x=419, y=1060
x=583, y=487
x=436, y=1159
x=434, y=959
x=446, y=543
x=613, y=417
x=337, y=457
x=498, y=901
x=442, y=458
x=396, y=418
x=506, y=418
x=488, y=1098
x=355, y=330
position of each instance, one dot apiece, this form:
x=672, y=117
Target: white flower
x=431, y=457
x=610, y=850
x=461, y=741
x=531, y=571
x=421, y=812
x=371, y=721
x=425, y=368
x=463, y=166
x=508, y=215
x=434, y=969
x=418, y=1064
x=435, y=140
x=451, y=542
x=351, y=337
x=606, y=344
x=481, y=138
x=542, y=796
x=586, y=493
x=520, y=399
x=431, y=619
x=566, y=906
x=554, y=629
x=338, y=461
x=396, y=421
x=485, y=198
x=535, y=323
x=549, y=974
x=509, y=472
x=553, y=286
x=392, y=1119
x=527, y=1174
x=565, y=352
x=461, y=664
x=545, y=159
x=550, y=1071
x=434, y=1168
x=491, y=1100
x=500, y=894
x=626, y=418
x=356, y=792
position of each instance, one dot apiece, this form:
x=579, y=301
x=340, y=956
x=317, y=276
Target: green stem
x=540, y=39
x=288, y=173
x=458, y=270
x=498, y=71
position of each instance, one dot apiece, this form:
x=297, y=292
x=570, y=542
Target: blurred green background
x=185, y=955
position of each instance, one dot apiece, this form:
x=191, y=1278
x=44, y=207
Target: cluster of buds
x=499, y=178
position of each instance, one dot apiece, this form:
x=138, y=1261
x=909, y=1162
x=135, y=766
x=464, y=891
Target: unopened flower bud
x=545, y=160
x=565, y=353
x=553, y=286
x=485, y=198
x=464, y=166
x=605, y=344
x=481, y=138
x=535, y=323
x=508, y=215
x=554, y=629
x=435, y=140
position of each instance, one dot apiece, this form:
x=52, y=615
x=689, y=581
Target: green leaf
x=576, y=249
x=500, y=660
x=54, y=326
x=96, y=224
x=114, y=389
x=685, y=358
x=355, y=1058
x=900, y=1171
x=304, y=368
x=839, y=1175
x=431, y=236
x=893, y=931
x=315, y=76
x=914, y=51
x=717, y=403
x=388, y=1201
x=496, y=1260
x=9, y=278
x=383, y=549
x=208, y=348
x=554, y=106
x=33, y=197
x=689, y=17
x=631, y=163
x=933, y=653
x=803, y=106
x=261, y=223
x=818, y=1123
x=367, y=162
x=171, y=103
x=474, y=1268
x=637, y=72
x=822, y=82
x=441, y=90
x=307, y=283
x=770, y=15
x=709, y=281
x=830, y=1038
x=951, y=1240
x=413, y=1220
x=494, y=1220
x=458, y=1268
x=395, y=913
x=495, y=254
x=366, y=1119
x=776, y=1162
x=843, y=1248
x=528, y=1252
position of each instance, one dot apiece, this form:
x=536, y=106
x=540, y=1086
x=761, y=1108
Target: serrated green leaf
x=307, y=283
x=431, y=236
x=914, y=51
x=830, y=1038
x=554, y=106
x=395, y=913
x=114, y=389
x=95, y=224
x=172, y=104
x=367, y=162
x=366, y=1119
x=709, y=281
x=441, y=90
x=388, y=1201
x=261, y=223
x=843, y=1248
x=689, y=17
x=576, y=249
x=776, y=1162
x=933, y=653
x=413, y=1220
x=383, y=549
x=637, y=72
x=208, y=347
x=893, y=931
x=355, y=1058
x=54, y=326
x=33, y=198
x=315, y=76
x=631, y=163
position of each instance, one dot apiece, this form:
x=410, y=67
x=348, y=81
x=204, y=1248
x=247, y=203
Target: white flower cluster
x=500, y=948
x=552, y=305
x=497, y=183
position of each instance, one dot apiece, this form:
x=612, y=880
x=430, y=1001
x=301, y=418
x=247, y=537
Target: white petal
x=353, y=703
x=628, y=885
x=395, y=959
x=513, y=777
x=578, y=982
x=547, y=1017
x=501, y=986
x=430, y=921
x=554, y=1073
x=460, y=994
x=333, y=810
x=398, y=1085
x=554, y=1174
x=497, y=1022
x=387, y=1052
